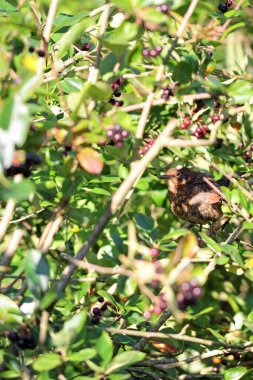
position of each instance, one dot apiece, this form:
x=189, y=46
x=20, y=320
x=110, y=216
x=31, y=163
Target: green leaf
x=19, y=191
x=85, y=354
x=144, y=222
x=99, y=91
x=70, y=331
x=241, y=91
x=110, y=298
x=71, y=36
x=104, y=348
x=234, y=373
x=6, y=7
x=37, y=273
x=46, y=362
x=9, y=313
x=125, y=359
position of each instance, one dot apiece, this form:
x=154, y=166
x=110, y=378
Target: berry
x=167, y=92
x=120, y=80
x=183, y=126
x=154, y=252
x=113, y=101
x=86, y=46
x=41, y=53
x=188, y=294
x=117, y=137
x=153, y=53
x=13, y=336
x=251, y=147
x=229, y=3
x=95, y=320
x=31, y=49
x=140, y=151
x=145, y=52
x=110, y=133
x=223, y=8
x=119, y=103
x=215, y=118
x=119, y=144
x=164, y=8
x=104, y=307
x=34, y=159
x=117, y=128
x=125, y=133
x=247, y=155
x=117, y=94
x=158, y=49
x=96, y=311
x=114, y=86
x=101, y=299
x=102, y=143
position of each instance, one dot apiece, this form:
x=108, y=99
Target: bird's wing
x=205, y=197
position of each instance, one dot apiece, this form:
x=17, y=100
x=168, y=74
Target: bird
x=194, y=196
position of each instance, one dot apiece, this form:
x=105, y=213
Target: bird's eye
x=178, y=174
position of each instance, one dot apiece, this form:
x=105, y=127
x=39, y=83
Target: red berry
x=110, y=133
x=183, y=126
x=117, y=128
x=165, y=8
x=157, y=310
x=229, y=3
x=119, y=103
x=145, y=52
x=120, y=80
x=251, y=147
x=158, y=49
x=154, y=252
x=117, y=137
x=140, y=151
x=153, y=53
x=86, y=46
x=247, y=155
x=102, y=143
x=215, y=118
x=125, y=133
x=119, y=144
x=196, y=134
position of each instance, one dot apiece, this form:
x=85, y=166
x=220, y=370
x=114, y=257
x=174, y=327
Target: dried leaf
x=90, y=160
x=164, y=347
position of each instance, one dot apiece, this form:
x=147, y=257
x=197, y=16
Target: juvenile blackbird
x=191, y=198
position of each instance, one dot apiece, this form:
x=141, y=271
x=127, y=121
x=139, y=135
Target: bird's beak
x=164, y=176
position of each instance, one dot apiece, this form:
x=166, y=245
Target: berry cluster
x=248, y=154
x=23, y=340
x=115, y=85
x=215, y=118
x=167, y=92
x=40, y=52
x=117, y=134
x=186, y=122
x=163, y=8
x=146, y=147
x=23, y=167
x=152, y=52
x=98, y=310
x=188, y=294
x=200, y=131
x=160, y=304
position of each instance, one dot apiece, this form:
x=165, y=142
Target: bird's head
x=177, y=177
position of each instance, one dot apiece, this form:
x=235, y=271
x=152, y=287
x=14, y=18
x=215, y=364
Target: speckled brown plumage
x=191, y=198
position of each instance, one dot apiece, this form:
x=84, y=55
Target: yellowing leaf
x=30, y=62
x=90, y=160
x=249, y=263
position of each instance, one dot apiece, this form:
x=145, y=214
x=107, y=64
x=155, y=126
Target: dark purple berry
x=117, y=137
x=109, y=133
x=96, y=310
x=112, y=101
x=86, y=46
x=165, y=8
x=117, y=128
x=145, y=52
x=95, y=320
x=223, y=8
x=215, y=118
x=119, y=144
x=34, y=159
x=31, y=49
x=41, y=53
x=13, y=336
x=114, y=86
x=120, y=80
x=101, y=299
x=125, y=134
x=117, y=94
x=104, y=307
